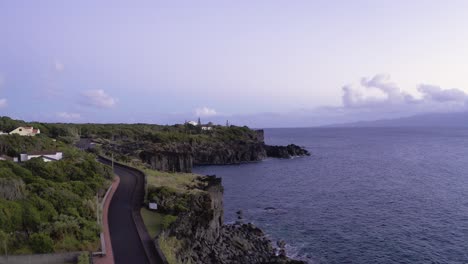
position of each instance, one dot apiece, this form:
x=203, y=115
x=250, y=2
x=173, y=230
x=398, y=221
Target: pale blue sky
x=260, y=63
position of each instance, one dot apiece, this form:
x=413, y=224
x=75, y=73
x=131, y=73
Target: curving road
x=125, y=219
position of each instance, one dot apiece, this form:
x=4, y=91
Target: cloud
x=58, y=66
x=435, y=93
x=379, y=93
x=98, y=98
x=375, y=91
x=3, y=102
x=205, y=111
x=68, y=116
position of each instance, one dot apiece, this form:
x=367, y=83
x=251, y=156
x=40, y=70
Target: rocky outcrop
x=203, y=238
x=285, y=152
x=222, y=154
x=168, y=161
x=181, y=156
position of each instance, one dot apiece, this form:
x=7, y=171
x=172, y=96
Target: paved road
x=126, y=243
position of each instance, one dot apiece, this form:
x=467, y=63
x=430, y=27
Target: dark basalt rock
x=182, y=156
x=207, y=240
x=286, y=152
x=168, y=161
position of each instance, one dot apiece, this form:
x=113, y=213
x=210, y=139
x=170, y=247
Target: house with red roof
x=26, y=131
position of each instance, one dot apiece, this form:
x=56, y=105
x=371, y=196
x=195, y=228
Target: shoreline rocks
x=181, y=156
x=204, y=238
x=286, y=152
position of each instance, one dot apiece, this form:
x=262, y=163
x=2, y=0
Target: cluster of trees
x=13, y=145
x=50, y=206
x=69, y=133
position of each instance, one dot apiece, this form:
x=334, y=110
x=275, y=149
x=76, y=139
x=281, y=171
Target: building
x=207, y=128
x=193, y=123
x=47, y=156
x=5, y=157
x=3, y=133
x=26, y=131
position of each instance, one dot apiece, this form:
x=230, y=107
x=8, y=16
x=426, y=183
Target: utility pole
x=97, y=209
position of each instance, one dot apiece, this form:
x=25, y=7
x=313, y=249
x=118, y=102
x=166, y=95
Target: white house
x=3, y=133
x=193, y=123
x=26, y=131
x=5, y=157
x=207, y=128
x=47, y=156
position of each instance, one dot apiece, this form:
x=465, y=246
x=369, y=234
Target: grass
x=83, y=258
x=181, y=182
x=169, y=247
x=156, y=222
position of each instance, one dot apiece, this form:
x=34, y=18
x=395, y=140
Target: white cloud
x=98, y=98
x=435, y=93
x=3, y=103
x=68, y=116
x=205, y=111
x=375, y=91
x=380, y=94
x=58, y=66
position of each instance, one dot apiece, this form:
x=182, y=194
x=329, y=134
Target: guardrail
x=103, y=241
x=52, y=258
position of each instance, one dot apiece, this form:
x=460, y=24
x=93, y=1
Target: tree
x=41, y=243
x=31, y=217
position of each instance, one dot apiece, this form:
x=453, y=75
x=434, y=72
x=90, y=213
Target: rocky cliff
x=168, y=160
x=285, y=152
x=203, y=238
x=244, y=145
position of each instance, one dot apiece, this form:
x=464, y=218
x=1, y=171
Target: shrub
x=41, y=243
x=83, y=258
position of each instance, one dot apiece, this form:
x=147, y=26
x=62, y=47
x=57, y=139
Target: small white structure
x=26, y=131
x=46, y=156
x=5, y=157
x=193, y=123
x=207, y=128
x=3, y=133
x=153, y=206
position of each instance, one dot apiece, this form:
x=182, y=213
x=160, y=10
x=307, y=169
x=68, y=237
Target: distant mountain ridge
x=458, y=119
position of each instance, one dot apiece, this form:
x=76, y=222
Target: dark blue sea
x=365, y=195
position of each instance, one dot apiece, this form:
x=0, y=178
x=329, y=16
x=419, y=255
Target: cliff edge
x=199, y=234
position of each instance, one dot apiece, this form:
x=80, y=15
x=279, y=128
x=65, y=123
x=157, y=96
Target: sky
x=256, y=63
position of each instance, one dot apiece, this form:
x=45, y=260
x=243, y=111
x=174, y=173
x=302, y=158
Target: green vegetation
x=47, y=207
x=50, y=206
x=179, y=182
x=13, y=145
x=41, y=243
x=156, y=222
x=169, y=246
x=172, y=191
x=83, y=258
x=187, y=133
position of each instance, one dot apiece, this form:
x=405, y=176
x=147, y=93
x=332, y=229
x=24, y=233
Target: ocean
x=365, y=195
